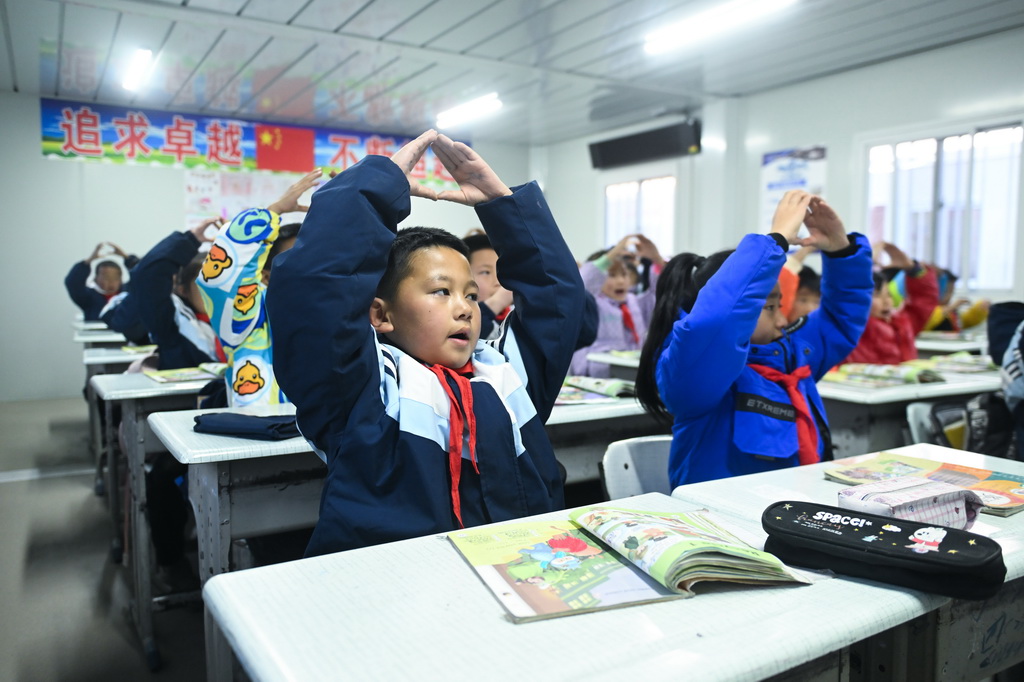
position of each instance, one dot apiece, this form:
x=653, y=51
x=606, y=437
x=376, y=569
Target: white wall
x=56, y=211
x=975, y=82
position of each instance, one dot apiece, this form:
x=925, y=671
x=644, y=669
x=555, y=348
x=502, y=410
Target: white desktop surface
x=973, y=343
x=175, y=431
x=83, y=326
x=415, y=609
x=136, y=386
x=99, y=336
x=109, y=356
x=613, y=359
x=570, y=414
x=955, y=384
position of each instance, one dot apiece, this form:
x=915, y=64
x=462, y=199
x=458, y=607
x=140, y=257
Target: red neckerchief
x=627, y=320
x=500, y=317
x=806, y=433
x=460, y=418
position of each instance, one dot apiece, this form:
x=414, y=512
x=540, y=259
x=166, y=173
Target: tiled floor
x=63, y=604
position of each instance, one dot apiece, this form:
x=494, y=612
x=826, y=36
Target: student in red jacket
x=889, y=336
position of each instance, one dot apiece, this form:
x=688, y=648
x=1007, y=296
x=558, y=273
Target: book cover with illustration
x=607, y=557
x=872, y=376
x=1002, y=493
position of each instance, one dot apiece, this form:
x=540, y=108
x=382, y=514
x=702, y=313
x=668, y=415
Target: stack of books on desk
x=580, y=390
x=959, y=363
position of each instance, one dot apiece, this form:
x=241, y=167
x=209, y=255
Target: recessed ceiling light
x=472, y=110
x=717, y=20
x=138, y=70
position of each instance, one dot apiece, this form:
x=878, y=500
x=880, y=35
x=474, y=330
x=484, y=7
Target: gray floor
x=63, y=604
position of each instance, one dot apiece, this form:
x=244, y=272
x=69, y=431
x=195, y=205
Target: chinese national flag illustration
x=281, y=148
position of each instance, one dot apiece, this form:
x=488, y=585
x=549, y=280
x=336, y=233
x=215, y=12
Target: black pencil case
x=946, y=561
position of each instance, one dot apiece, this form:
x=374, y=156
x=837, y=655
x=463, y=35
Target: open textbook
x=606, y=557
x=1002, y=494
x=868, y=375
x=206, y=372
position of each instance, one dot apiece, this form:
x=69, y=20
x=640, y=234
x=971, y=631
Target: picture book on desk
x=166, y=376
x=1002, y=494
x=608, y=557
x=962, y=363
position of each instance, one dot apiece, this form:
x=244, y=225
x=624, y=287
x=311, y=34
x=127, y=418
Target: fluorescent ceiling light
x=138, y=69
x=721, y=19
x=474, y=109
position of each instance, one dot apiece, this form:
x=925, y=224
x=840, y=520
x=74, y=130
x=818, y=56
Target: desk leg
x=977, y=639
x=113, y=482
x=209, y=492
x=133, y=418
x=95, y=429
x=220, y=661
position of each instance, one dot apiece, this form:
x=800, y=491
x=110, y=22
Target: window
x=952, y=201
x=646, y=207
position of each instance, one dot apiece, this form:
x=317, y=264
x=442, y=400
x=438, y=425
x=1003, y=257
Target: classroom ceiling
x=563, y=68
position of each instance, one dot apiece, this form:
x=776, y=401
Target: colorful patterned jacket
x=234, y=296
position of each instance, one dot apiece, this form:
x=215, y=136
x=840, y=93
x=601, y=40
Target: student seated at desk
x=234, y=281
x=948, y=315
x=610, y=277
x=424, y=428
x=722, y=363
x=171, y=307
x=495, y=300
x=107, y=281
x=889, y=337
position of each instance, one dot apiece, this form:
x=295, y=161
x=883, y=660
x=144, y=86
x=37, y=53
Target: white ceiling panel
x=85, y=47
x=259, y=74
x=35, y=32
x=438, y=19
x=382, y=18
x=562, y=67
x=328, y=15
x=277, y=11
x=487, y=24
x=218, y=69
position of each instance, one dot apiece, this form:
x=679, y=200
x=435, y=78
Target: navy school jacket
x=182, y=339
x=728, y=420
x=377, y=416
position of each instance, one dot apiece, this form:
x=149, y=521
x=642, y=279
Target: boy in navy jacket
x=423, y=429
x=108, y=281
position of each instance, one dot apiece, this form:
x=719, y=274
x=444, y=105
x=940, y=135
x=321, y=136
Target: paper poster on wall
x=211, y=194
x=781, y=171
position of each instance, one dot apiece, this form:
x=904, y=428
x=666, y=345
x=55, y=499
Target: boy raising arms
x=423, y=429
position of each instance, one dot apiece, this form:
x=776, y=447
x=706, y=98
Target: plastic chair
x=635, y=466
x=937, y=423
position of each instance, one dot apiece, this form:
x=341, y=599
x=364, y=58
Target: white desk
x=138, y=395
x=101, y=361
x=242, y=488
x=619, y=366
x=415, y=609
x=952, y=639
x=83, y=326
x=864, y=419
x=99, y=339
x=929, y=344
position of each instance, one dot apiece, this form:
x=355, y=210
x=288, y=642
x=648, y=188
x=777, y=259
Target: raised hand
x=826, y=229
x=477, y=182
x=897, y=258
x=289, y=201
x=645, y=248
x=95, y=252
x=199, y=231
x=789, y=214
x=408, y=156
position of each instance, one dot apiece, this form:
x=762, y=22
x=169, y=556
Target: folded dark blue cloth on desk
x=247, y=426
